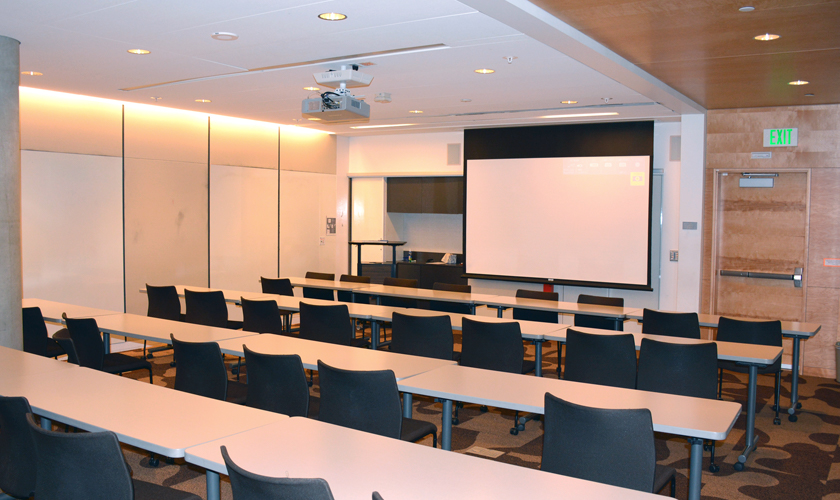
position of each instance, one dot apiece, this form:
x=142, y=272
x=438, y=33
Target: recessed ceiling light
x=314, y=119
x=416, y=111
x=312, y=89
x=466, y=100
x=385, y=126
x=203, y=100
x=485, y=71
x=799, y=82
x=31, y=73
x=139, y=52
x=809, y=95
x=747, y=8
x=224, y=36
x=579, y=115
x=568, y=102
x=766, y=37
x=155, y=98
x=332, y=16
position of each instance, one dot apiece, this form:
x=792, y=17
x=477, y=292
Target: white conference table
x=795, y=330
x=695, y=418
x=502, y=302
x=304, y=448
x=52, y=311
x=751, y=355
x=19, y=364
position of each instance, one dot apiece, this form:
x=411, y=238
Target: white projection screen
x=581, y=219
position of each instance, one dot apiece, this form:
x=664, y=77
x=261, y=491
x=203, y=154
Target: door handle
x=796, y=277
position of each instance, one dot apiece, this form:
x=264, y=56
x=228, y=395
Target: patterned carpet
x=794, y=460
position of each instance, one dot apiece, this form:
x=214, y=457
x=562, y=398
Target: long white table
x=750, y=355
x=158, y=330
x=304, y=448
x=795, y=330
x=695, y=418
x=502, y=302
x=19, y=364
x=52, y=311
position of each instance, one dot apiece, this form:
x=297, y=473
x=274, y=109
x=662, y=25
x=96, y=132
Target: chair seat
x=357, y=342
x=234, y=325
x=237, y=392
x=314, y=407
x=152, y=491
x=117, y=362
x=661, y=476
x=735, y=367
x=413, y=430
x=53, y=349
x=528, y=366
x=456, y=356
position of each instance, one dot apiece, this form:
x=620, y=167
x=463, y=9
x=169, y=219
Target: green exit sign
x=781, y=137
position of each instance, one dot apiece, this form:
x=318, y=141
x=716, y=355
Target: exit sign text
x=781, y=137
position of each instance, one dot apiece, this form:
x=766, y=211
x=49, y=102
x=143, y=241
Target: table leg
x=538, y=357
x=393, y=261
x=446, y=426
x=407, y=397
x=212, y=485
x=695, y=467
x=750, y=437
x=472, y=308
x=46, y=423
x=374, y=335
x=358, y=260
x=499, y=311
x=106, y=341
x=794, y=385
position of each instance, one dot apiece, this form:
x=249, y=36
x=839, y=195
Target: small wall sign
x=781, y=137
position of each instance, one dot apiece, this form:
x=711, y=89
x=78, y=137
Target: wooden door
x=761, y=230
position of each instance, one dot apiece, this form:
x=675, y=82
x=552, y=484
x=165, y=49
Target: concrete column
x=11, y=282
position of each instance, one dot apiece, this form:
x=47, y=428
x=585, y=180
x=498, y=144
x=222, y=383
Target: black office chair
x=601, y=322
x=319, y=293
x=36, y=339
x=164, y=304
x=495, y=346
x=261, y=316
x=201, y=371
x=357, y=298
x=18, y=457
x=686, y=325
x=399, y=301
x=453, y=307
x=757, y=333
x=376, y=496
x=328, y=324
x=607, y=446
x=87, y=465
x=600, y=359
x=532, y=315
x=427, y=336
x=368, y=401
x=249, y=486
x=66, y=343
x=90, y=349
x=208, y=308
x=277, y=382
x=280, y=286
x=682, y=369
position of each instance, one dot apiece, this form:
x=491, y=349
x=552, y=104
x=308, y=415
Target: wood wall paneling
x=825, y=228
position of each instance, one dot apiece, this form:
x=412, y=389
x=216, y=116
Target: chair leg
x=674, y=487
x=151, y=379
x=713, y=467
x=778, y=390
x=519, y=423
x=455, y=419
x=720, y=382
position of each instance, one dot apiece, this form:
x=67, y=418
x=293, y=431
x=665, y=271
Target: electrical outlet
x=322, y=241
x=675, y=255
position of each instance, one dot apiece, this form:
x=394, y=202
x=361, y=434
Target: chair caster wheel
x=777, y=421
x=739, y=466
x=520, y=427
x=150, y=356
x=153, y=462
x=707, y=447
x=514, y=431
x=793, y=418
x=775, y=408
x=172, y=364
x=798, y=406
x=482, y=409
x=234, y=370
x=714, y=468
x=456, y=421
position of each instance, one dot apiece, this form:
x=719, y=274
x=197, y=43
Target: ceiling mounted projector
x=339, y=106
x=344, y=78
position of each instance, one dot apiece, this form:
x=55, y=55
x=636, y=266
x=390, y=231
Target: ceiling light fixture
x=224, y=36
x=416, y=111
x=139, y=52
x=203, y=100
x=31, y=73
x=385, y=126
x=746, y=8
x=799, y=82
x=767, y=37
x=466, y=100
x=485, y=71
x=568, y=102
x=580, y=115
x=314, y=119
x=809, y=95
x=311, y=89
x=332, y=16
x=156, y=99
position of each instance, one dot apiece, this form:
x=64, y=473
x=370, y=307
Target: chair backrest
x=685, y=325
x=428, y=336
x=201, y=369
x=682, y=369
x=399, y=301
x=453, y=307
x=90, y=349
x=248, y=486
x=358, y=298
x=752, y=332
x=607, y=446
x=367, y=401
x=206, y=308
x=18, y=457
x=590, y=321
x=277, y=286
x=277, y=382
x=79, y=466
x=600, y=359
x=530, y=314
x=326, y=323
x=35, y=334
x=319, y=293
x=66, y=343
x=492, y=346
x=261, y=316
x=163, y=302
x=376, y=496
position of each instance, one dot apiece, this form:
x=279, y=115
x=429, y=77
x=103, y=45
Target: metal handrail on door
x=796, y=277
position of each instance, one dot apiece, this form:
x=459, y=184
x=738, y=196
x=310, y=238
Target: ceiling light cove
x=485, y=71
x=332, y=16
x=767, y=37
x=384, y=126
x=224, y=36
x=799, y=82
x=31, y=73
x=580, y=115
x=139, y=52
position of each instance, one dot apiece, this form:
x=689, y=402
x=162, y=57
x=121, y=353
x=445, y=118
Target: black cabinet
x=426, y=195
x=429, y=274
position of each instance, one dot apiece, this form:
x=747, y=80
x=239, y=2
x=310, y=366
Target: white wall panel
x=306, y=200
x=404, y=153
x=166, y=234
x=243, y=226
x=369, y=219
x=72, y=228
